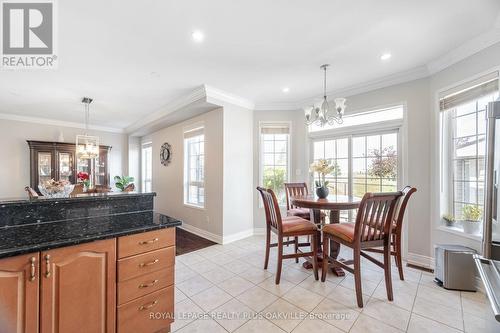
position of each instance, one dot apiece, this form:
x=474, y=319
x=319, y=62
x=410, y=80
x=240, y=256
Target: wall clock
x=165, y=154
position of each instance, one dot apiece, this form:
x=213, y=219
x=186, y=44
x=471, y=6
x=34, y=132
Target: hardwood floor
x=186, y=242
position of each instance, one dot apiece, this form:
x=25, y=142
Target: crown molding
x=220, y=95
x=192, y=97
x=467, y=49
x=59, y=123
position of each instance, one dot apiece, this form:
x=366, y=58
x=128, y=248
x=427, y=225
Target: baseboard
x=420, y=260
x=202, y=233
x=259, y=231
x=237, y=236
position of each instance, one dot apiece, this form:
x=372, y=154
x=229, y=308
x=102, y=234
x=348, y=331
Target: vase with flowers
x=322, y=167
x=84, y=178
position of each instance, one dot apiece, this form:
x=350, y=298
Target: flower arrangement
x=322, y=167
x=449, y=219
x=84, y=177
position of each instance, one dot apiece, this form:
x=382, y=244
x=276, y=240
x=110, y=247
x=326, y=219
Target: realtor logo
x=28, y=31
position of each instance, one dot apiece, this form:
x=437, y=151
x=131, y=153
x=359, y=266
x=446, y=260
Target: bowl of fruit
x=56, y=189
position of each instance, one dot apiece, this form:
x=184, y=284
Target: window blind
x=275, y=129
x=468, y=92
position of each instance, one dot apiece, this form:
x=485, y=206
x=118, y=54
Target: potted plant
x=449, y=220
x=122, y=182
x=322, y=168
x=472, y=219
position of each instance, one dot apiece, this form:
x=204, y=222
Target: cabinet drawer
x=147, y=314
x=141, y=264
x=145, y=242
x=144, y=284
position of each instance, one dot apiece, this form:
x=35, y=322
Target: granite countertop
x=36, y=237
x=87, y=197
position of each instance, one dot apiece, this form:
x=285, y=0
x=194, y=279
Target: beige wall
x=15, y=166
x=168, y=180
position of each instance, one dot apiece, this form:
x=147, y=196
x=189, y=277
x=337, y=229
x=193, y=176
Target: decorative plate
x=165, y=154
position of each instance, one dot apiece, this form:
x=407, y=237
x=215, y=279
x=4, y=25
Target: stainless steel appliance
x=455, y=267
x=491, y=228
x=490, y=275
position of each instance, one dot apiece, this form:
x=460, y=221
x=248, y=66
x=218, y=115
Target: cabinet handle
x=148, y=306
x=32, y=269
x=144, y=264
x=146, y=285
x=47, y=265
x=149, y=241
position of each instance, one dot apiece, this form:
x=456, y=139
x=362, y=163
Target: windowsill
x=459, y=232
x=194, y=206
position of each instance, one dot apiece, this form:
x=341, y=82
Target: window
x=363, y=118
x=147, y=166
x=366, y=157
x=194, y=167
x=463, y=145
x=274, y=158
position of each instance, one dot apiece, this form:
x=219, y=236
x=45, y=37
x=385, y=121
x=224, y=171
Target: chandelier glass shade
x=87, y=146
x=324, y=113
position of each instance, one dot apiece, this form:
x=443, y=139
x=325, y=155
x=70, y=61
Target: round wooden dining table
x=334, y=204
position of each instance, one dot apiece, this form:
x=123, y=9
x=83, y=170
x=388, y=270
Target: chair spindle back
x=292, y=190
x=273, y=215
x=375, y=216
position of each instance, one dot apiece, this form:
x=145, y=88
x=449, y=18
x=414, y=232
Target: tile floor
x=223, y=288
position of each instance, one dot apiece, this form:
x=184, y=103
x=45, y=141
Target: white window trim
x=262, y=124
x=186, y=130
x=437, y=189
x=148, y=144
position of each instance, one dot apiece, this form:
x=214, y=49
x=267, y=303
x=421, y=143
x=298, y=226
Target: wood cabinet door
x=19, y=288
x=78, y=288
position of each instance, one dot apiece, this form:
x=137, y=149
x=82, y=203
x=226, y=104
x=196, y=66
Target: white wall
x=168, y=180
x=238, y=173
x=15, y=165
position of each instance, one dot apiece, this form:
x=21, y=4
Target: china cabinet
x=57, y=160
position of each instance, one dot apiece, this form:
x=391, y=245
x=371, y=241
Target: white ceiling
x=135, y=57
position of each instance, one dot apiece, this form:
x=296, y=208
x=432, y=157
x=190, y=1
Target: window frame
x=186, y=167
x=264, y=124
x=144, y=146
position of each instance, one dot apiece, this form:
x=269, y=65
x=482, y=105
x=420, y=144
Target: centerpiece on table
x=56, y=188
x=84, y=178
x=322, y=167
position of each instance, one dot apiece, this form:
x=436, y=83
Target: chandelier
x=87, y=146
x=324, y=114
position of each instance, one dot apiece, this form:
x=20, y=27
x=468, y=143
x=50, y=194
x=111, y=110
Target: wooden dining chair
x=371, y=229
x=31, y=192
x=292, y=190
x=290, y=226
x=397, y=229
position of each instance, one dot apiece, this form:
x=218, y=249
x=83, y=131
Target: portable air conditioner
x=455, y=268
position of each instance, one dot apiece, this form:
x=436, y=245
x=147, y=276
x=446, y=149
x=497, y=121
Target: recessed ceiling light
x=285, y=90
x=198, y=36
x=385, y=56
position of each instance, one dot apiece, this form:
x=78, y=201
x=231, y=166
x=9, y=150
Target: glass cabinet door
x=44, y=167
x=65, y=166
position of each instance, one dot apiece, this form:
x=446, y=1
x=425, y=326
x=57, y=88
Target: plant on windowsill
x=472, y=219
x=124, y=183
x=322, y=167
x=449, y=220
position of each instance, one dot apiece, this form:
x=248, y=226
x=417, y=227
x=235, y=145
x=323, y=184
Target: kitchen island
x=89, y=263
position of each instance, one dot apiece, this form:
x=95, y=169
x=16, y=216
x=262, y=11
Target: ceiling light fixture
x=87, y=146
x=198, y=36
x=385, y=56
x=285, y=90
x=321, y=115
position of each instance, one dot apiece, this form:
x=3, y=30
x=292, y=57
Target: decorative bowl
x=51, y=191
